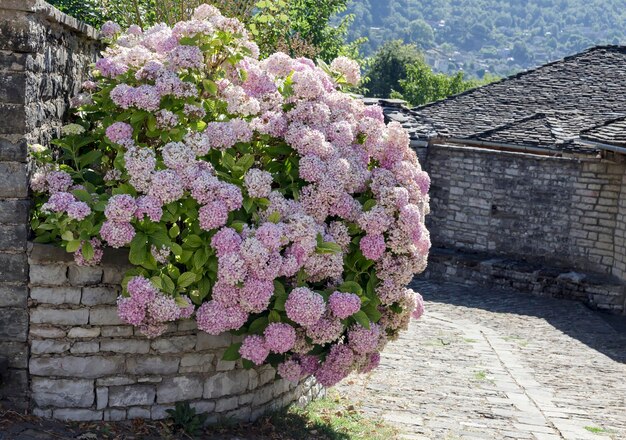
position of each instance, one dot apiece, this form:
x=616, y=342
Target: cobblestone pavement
x=496, y=365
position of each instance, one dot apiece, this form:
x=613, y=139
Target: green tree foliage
x=388, y=67
x=297, y=27
x=497, y=36
x=422, y=85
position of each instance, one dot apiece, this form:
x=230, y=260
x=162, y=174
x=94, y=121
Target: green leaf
x=186, y=279
x=193, y=241
x=274, y=217
x=274, y=316
x=328, y=248
x=362, y=318
x=248, y=203
x=72, y=246
x=91, y=157
x=369, y=204
x=67, y=236
x=232, y=352
x=351, y=287
x=200, y=257
x=168, y=284
x=157, y=282
x=247, y=364
x=174, y=231
x=88, y=251
x=138, y=249
x=228, y=161
x=82, y=195
x=258, y=325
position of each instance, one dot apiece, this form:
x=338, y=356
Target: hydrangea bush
x=254, y=196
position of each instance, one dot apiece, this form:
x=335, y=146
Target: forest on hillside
x=494, y=36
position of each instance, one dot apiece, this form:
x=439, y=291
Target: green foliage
x=422, y=85
x=496, y=36
x=388, y=66
x=296, y=27
x=186, y=419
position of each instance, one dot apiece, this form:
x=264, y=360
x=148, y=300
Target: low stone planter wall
x=85, y=364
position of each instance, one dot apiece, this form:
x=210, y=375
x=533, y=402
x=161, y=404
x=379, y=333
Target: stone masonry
x=85, y=364
x=43, y=56
x=549, y=225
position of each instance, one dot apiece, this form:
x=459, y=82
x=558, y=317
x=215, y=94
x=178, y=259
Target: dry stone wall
x=550, y=225
x=85, y=364
x=43, y=58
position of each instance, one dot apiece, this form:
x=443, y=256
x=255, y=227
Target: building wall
x=560, y=211
x=43, y=58
x=619, y=264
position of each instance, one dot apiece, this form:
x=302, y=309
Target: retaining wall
x=85, y=364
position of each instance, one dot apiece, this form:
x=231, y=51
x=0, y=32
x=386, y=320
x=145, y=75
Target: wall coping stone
x=50, y=12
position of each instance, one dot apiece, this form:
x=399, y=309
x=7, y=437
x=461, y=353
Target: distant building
x=529, y=179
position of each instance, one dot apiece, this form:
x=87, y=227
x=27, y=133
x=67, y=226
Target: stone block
x=13, y=177
x=226, y=384
x=104, y=315
x=48, y=315
x=175, y=344
x=84, y=276
x=117, y=331
x=196, y=363
x=85, y=347
x=83, y=332
x=48, y=274
x=13, y=117
x=114, y=415
x=113, y=275
x=13, y=296
x=263, y=395
x=61, y=393
x=152, y=365
x=13, y=267
x=12, y=150
x=206, y=341
x=125, y=346
x=79, y=415
x=186, y=325
x=88, y=367
x=45, y=332
x=179, y=388
x=13, y=237
x=239, y=414
x=115, y=381
x=226, y=404
x=48, y=346
x=56, y=295
x=13, y=324
x=102, y=397
x=16, y=352
x=139, y=413
x=14, y=211
x=95, y=296
x=203, y=406
x=131, y=395
x=159, y=412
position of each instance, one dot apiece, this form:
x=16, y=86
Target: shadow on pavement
x=603, y=332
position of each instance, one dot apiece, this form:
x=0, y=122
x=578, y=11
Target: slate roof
x=548, y=106
x=612, y=132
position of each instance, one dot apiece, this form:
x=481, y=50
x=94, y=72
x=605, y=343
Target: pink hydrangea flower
x=304, y=306
x=120, y=133
x=78, y=210
x=117, y=234
x=212, y=215
x=373, y=246
x=215, y=318
x=290, y=370
x=363, y=340
x=98, y=253
x=254, y=349
x=58, y=181
x=419, y=307
x=279, y=337
x=343, y=305
x=120, y=208
x=258, y=183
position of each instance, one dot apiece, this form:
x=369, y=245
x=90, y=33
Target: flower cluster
x=253, y=194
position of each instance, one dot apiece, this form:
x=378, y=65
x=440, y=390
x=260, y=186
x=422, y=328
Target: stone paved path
x=494, y=365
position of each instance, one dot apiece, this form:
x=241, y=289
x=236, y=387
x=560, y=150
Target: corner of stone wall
x=43, y=59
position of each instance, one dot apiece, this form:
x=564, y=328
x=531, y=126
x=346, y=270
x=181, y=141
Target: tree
x=422, y=85
x=388, y=67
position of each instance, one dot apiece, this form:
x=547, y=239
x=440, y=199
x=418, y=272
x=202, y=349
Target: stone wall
x=85, y=364
x=43, y=57
x=559, y=210
x=550, y=225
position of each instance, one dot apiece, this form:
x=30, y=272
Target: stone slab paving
x=483, y=364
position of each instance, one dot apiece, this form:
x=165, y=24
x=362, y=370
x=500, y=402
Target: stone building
x=528, y=179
